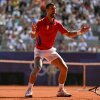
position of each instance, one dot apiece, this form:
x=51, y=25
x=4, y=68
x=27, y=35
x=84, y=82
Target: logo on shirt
x=47, y=27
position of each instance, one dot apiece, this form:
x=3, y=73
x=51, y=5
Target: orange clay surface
x=46, y=93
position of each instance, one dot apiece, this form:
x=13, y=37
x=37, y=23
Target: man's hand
x=83, y=30
x=33, y=34
x=33, y=27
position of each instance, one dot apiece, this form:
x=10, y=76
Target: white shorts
x=49, y=54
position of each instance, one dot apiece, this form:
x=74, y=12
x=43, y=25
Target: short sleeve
x=61, y=28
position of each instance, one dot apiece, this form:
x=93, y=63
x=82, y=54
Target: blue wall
x=93, y=73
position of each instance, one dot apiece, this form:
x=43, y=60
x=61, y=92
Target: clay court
x=46, y=93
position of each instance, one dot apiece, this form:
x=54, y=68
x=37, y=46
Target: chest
x=48, y=28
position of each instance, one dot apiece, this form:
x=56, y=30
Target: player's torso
x=46, y=34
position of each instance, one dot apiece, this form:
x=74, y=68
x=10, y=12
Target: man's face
x=51, y=11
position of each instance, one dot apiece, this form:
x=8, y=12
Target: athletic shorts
x=49, y=54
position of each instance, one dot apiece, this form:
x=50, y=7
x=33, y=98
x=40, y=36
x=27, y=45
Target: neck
x=50, y=19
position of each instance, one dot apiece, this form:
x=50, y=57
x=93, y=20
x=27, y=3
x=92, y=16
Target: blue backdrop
x=93, y=73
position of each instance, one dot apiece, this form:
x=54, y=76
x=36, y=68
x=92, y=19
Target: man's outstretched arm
x=73, y=34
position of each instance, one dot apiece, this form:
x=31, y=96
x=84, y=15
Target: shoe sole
x=29, y=96
x=64, y=95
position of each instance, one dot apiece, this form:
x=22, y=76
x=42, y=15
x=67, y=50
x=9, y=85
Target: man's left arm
x=72, y=34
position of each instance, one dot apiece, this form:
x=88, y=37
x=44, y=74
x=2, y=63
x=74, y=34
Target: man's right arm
x=35, y=29
x=33, y=33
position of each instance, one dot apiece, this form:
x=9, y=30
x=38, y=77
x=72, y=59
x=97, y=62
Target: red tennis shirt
x=46, y=33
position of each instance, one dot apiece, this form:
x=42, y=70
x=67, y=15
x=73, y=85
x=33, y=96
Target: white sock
x=30, y=85
x=61, y=86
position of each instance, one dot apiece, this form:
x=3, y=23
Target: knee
x=66, y=68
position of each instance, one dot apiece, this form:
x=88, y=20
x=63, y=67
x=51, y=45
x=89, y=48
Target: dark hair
x=49, y=4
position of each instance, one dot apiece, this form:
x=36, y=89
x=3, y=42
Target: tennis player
x=45, y=32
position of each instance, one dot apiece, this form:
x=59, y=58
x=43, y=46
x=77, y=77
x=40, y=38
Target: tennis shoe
x=29, y=93
x=63, y=93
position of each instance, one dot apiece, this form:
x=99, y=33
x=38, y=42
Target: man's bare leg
x=33, y=75
x=63, y=69
x=59, y=62
x=35, y=71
